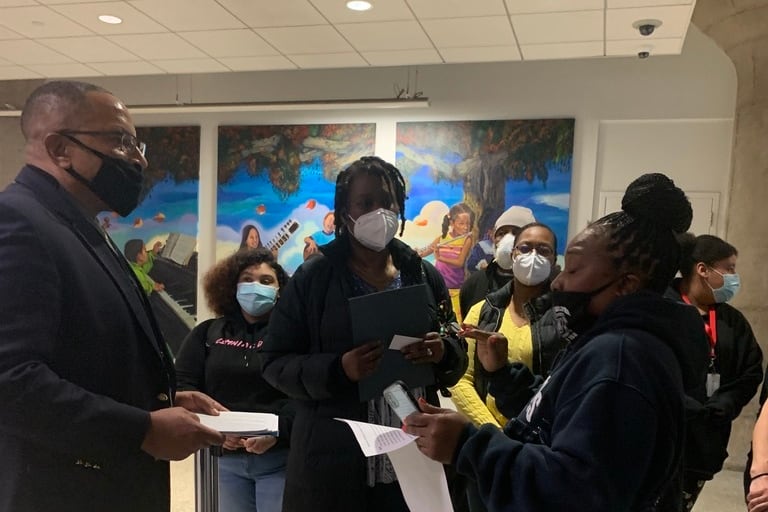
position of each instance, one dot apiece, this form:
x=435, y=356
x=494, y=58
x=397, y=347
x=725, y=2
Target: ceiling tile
x=426, y=9
x=483, y=54
x=17, y=3
x=671, y=46
x=180, y=15
x=88, y=49
x=25, y=51
x=465, y=32
x=329, y=60
x=74, y=69
x=4, y=62
x=229, y=43
x=383, y=10
x=17, y=73
x=53, y=2
x=403, y=57
x=9, y=34
x=305, y=40
x=366, y=37
x=190, y=65
x=675, y=20
x=271, y=13
x=620, y=4
x=40, y=21
x=126, y=68
x=534, y=6
x=134, y=21
x=562, y=50
x=257, y=63
x=558, y=27
x=158, y=46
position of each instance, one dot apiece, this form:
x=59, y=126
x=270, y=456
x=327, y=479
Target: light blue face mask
x=256, y=299
x=731, y=285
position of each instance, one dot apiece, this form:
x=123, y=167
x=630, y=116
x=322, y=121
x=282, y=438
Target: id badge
x=713, y=383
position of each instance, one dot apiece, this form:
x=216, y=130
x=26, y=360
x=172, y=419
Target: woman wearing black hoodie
x=604, y=432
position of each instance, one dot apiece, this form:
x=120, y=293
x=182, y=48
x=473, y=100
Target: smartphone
x=400, y=399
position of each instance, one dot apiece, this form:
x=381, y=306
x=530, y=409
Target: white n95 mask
x=503, y=253
x=532, y=268
x=375, y=229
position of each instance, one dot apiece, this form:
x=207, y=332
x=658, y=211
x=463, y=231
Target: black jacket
x=309, y=331
x=604, y=433
x=479, y=284
x=81, y=362
x=219, y=358
x=739, y=360
x=546, y=341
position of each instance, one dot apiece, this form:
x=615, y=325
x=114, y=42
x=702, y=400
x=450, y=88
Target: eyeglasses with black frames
x=127, y=142
x=543, y=249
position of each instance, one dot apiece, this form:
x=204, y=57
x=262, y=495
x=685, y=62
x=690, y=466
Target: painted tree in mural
x=483, y=155
x=280, y=151
x=172, y=152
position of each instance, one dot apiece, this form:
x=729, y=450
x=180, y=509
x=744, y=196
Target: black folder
x=382, y=315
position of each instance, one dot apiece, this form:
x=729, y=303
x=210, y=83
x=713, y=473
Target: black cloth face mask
x=118, y=182
x=572, y=317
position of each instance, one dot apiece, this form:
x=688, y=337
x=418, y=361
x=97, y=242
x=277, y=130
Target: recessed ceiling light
x=112, y=20
x=359, y=5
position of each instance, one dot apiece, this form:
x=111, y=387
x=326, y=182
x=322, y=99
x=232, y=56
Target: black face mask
x=118, y=182
x=572, y=317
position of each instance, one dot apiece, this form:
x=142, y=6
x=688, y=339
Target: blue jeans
x=250, y=482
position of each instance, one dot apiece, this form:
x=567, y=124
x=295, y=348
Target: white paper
x=421, y=480
x=399, y=341
x=242, y=423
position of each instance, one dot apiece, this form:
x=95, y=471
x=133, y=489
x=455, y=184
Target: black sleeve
x=512, y=387
x=190, y=362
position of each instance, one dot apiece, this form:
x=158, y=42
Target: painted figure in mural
x=142, y=261
x=251, y=238
x=219, y=357
x=709, y=280
x=520, y=315
x=499, y=271
x=482, y=253
x=309, y=352
x=622, y=377
x=91, y=415
x=321, y=237
x=451, y=249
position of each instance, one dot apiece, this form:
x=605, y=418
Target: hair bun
x=655, y=198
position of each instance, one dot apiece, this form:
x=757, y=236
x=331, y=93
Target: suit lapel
x=48, y=192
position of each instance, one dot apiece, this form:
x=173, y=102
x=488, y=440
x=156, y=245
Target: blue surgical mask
x=256, y=299
x=731, y=285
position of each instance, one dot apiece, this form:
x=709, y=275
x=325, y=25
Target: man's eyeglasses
x=542, y=249
x=128, y=143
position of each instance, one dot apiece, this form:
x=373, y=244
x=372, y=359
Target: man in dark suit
x=90, y=414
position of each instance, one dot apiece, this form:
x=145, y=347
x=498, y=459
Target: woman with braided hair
x=309, y=352
x=604, y=431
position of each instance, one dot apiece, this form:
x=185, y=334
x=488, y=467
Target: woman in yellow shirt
x=518, y=311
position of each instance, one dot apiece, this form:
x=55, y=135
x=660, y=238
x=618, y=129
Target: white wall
x=680, y=108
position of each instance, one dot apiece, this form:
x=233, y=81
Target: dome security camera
x=646, y=27
x=643, y=54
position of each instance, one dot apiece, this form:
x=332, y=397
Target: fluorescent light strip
x=204, y=108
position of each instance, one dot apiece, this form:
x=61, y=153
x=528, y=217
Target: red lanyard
x=710, y=328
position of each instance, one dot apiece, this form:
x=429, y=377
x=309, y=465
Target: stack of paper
x=243, y=424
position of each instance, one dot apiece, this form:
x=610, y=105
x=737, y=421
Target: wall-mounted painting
x=469, y=172
x=159, y=238
x=276, y=185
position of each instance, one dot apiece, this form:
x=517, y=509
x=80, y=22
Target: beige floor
x=723, y=494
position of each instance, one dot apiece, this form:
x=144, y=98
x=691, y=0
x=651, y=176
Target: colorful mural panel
x=276, y=185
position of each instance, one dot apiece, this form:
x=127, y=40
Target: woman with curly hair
x=220, y=358
x=605, y=430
